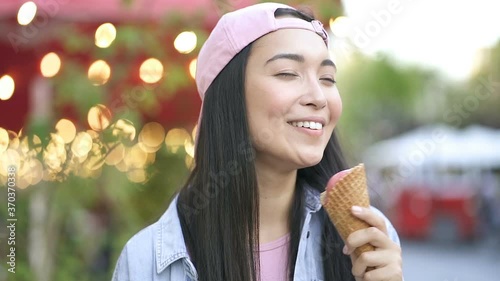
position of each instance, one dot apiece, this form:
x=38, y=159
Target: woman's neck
x=276, y=193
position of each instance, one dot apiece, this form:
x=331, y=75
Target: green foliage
x=484, y=87
x=74, y=88
x=378, y=98
x=117, y=207
x=476, y=100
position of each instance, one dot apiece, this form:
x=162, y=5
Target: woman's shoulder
x=153, y=249
x=136, y=260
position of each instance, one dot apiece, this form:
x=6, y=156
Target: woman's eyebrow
x=299, y=58
x=328, y=62
x=295, y=57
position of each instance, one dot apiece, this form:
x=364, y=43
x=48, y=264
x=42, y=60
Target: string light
x=66, y=129
x=99, y=72
x=340, y=26
x=7, y=87
x=176, y=138
x=105, y=35
x=151, y=70
x=192, y=68
x=151, y=137
x=99, y=117
x=185, y=42
x=50, y=65
x=26, y=13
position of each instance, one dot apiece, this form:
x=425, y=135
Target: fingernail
x=357, y=209
x=344, y=250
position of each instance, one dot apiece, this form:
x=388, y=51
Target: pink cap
x=238, y=29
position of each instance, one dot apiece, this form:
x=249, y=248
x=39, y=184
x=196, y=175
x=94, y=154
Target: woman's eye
x=330, y=80
x=286, y=75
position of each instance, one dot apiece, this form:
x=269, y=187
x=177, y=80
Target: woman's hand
x=385, y=261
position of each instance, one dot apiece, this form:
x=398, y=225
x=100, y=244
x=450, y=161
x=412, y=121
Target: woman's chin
x=310, y=161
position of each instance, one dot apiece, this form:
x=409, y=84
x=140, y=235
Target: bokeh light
x=194, y=132
x=192, y=68
x=99, y=72
x=35, y=171
x=124, y=129
x=135, y=157
x=95, y=158
x=50, y=65
x=81, y=159
x=31, y=145
x=137, y=175
x=189, y=147
x=115, y=155
x=99, y=117
x=8, y=158
x=176, y=138
x=340, y=26
x=150, y=158
x=66, y=129
x=185, y=42
x=13, y=139
x=189, y=161
x=105, y=35
x=151, y=137
x=151, y=70
x=93, y=134
x=26, y=13
x=4, y=140
x=54, y=154
x=7, y=87
x=82, y=144
x=121, y=166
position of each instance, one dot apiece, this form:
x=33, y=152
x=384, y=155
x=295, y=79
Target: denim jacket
x=158, y=252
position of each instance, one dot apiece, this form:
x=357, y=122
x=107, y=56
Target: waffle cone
x=338, y=200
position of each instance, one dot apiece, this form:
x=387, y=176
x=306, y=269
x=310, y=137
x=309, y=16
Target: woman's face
x=292, y=101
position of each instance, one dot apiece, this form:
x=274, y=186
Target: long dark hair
x=219, y=204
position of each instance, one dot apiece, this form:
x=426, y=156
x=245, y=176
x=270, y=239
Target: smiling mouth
x=307, y=124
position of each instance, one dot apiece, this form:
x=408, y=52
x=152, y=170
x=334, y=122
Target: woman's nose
x=314, y=94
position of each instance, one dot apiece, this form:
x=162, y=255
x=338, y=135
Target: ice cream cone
x=344, y=190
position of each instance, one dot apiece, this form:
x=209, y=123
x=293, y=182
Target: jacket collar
x=169, y=240
x=312, y=202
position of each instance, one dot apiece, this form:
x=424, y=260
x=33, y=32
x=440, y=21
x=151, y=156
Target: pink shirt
x=273, y=259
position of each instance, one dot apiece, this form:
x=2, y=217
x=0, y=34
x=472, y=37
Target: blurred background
x=98, y=109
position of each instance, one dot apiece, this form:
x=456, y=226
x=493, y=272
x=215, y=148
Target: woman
x=265, y=150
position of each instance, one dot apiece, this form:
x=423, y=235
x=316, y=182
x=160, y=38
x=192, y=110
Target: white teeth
x=308, y=124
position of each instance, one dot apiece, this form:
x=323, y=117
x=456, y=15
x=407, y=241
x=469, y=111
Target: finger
x=371, y=235
x=369, y=216
x=392, y=272
x=371, y=259
x=353, y=262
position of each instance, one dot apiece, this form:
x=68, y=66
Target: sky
x=443, y=34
